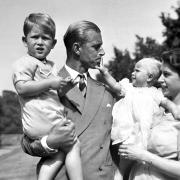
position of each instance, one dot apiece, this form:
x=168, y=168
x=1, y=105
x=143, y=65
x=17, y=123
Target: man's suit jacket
x=93, y=120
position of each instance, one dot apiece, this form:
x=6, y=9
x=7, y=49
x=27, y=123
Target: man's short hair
x=76, y=33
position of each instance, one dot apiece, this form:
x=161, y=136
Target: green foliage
x=147, y=47
x=10, y=116
x=122, y=64
x=172, y=29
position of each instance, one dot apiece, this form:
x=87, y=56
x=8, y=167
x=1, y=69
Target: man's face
x=91, y=52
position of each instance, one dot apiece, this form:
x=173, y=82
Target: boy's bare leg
x=48, y=168
x=118, y=175
x=73, y=163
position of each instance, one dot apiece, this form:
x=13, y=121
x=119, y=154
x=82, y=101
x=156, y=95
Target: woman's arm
x=166, y=166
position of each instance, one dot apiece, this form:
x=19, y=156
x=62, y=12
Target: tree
x=172, y=29
x=147, y=47
x=120, y=66
x=10, y=115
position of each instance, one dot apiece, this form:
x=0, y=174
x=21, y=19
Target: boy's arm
x=31, y=88
x=171, y=107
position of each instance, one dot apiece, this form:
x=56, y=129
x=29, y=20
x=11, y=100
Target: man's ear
x=54, y=43
x=24, y=41
x=76, y=48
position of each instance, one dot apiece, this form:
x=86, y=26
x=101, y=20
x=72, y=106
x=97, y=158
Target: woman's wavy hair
x=172, y=57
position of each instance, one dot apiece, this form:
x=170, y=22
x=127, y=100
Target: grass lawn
x=16, y=165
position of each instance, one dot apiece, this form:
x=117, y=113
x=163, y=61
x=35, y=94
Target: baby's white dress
x=134, y=113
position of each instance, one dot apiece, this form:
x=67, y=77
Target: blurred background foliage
x=120, y=66
x=10, y=117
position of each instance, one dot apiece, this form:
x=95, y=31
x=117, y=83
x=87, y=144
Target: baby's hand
x=102, y=69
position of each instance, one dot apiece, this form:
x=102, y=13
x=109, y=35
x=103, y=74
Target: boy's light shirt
x=39, y=113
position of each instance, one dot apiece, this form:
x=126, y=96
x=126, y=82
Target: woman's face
x=170, y=82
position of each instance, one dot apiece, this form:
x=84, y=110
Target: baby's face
x=140, y=75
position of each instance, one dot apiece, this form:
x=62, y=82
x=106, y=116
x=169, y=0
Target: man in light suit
x=90, y=109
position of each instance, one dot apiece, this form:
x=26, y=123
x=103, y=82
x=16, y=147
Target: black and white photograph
x=90, y=90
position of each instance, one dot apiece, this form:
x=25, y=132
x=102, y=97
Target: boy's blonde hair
x=42, y=20
x=153, y=67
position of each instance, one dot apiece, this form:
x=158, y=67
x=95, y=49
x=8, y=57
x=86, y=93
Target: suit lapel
x=93, y=100
x=74, y=95
x=87, y=107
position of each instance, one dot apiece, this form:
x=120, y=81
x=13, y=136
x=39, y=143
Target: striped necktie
x=82, y=84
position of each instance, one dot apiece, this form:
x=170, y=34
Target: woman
x=161, y=161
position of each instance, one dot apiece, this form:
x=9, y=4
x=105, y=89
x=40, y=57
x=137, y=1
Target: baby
x=133, y=114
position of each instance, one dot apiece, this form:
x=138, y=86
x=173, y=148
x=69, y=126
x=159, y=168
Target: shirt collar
x=73, y=73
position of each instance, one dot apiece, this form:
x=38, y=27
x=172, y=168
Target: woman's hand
x=132, y=152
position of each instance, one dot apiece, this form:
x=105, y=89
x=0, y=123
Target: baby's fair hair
x=44, y=21
x=153, y=67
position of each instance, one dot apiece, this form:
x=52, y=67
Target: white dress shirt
x=73, y=73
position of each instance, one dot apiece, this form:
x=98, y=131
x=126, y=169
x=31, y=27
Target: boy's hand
x=61, y=84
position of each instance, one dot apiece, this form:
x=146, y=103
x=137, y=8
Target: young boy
x=36, y=82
